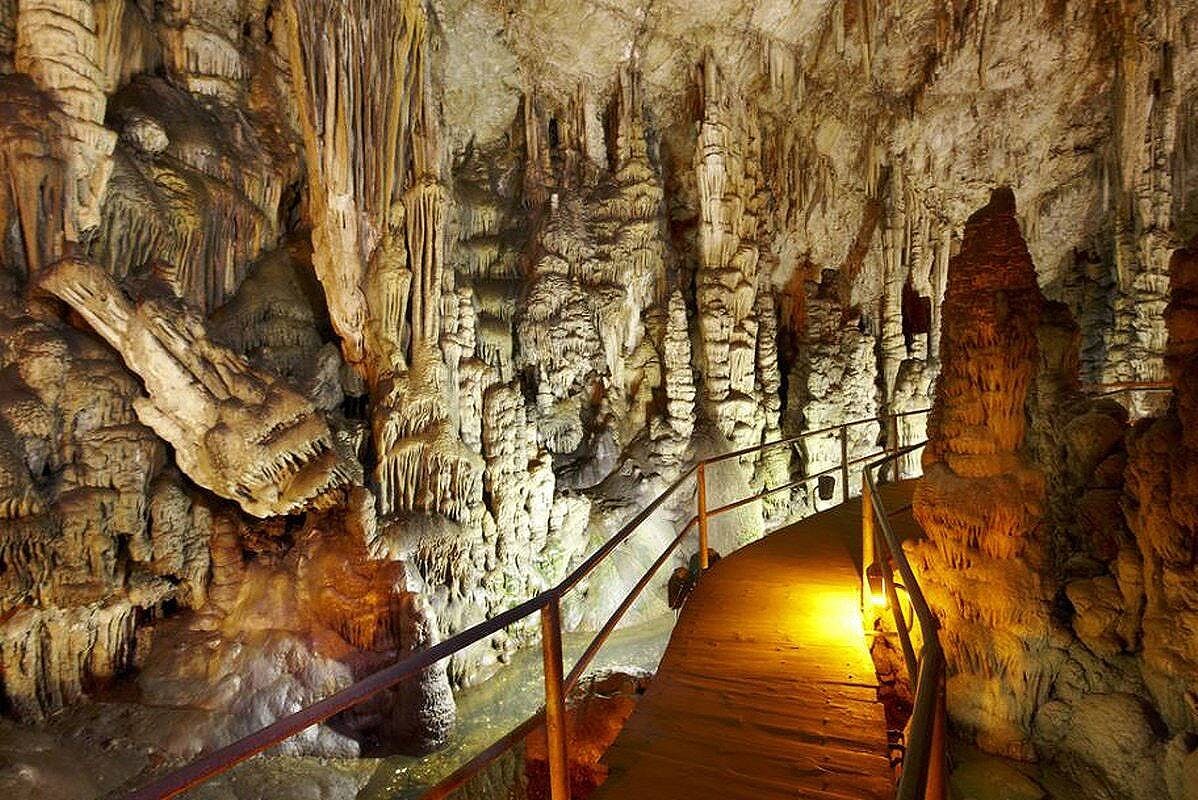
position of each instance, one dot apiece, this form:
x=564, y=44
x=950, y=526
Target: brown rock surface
x=982, y=498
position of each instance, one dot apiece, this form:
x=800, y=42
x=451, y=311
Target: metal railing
x=1134, y=396
x=923, y=767
x=548, y=606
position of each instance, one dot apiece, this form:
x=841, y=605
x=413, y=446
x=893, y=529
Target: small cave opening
x=917, y=315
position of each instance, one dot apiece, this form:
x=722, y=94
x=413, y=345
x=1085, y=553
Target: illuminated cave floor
x=767, y=688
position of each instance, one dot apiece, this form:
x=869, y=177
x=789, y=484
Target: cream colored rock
x=240, y=433
x=57, y=46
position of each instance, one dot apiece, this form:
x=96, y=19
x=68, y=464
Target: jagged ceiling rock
x=241, y=433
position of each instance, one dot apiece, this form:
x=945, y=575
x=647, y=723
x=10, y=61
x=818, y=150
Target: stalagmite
x=357, y=156
x=981, y=499
x=727, y=283
x=674, y=435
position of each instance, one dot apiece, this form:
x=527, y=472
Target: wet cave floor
x=108, y=746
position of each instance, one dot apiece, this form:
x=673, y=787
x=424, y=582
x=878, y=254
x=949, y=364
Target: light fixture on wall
x=877, y=590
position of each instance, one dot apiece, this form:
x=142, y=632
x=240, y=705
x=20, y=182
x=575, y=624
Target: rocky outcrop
x=832, y=381
x=243, y=434
x=294, y=625
x=95, y=532
x=981, y=498
x=1161, y=507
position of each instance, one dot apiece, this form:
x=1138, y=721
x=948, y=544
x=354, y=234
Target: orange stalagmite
x=981, y=498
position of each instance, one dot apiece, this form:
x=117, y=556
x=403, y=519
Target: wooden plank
x=767, y=688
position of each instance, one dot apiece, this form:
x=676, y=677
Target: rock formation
x=1060, y=623
x=981, y=498
x=1161, y=507
x=381, y=314
x=243, y=434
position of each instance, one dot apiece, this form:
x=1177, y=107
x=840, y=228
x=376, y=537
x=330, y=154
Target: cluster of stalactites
x=562, y=146
x=600, y=265
x=1146, y=176
x=371, y=145
x=112, y=533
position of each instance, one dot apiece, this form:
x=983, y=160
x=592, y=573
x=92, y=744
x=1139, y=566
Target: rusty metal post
x=844, y=463
x=555, y=700
x=937, y=784
x=867, y=549
x=702, y=515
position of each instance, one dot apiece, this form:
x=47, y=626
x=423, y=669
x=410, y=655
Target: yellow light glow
x=831, y=615
x=877, y=589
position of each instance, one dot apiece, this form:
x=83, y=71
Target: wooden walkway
x=767, y=689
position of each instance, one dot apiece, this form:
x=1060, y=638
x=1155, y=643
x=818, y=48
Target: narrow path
x=767, y=688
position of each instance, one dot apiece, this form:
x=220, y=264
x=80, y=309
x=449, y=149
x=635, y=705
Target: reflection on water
x=491, y=709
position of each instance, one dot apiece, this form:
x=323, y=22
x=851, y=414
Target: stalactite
x=35, y=197
x=57, y=46
x=359, y=73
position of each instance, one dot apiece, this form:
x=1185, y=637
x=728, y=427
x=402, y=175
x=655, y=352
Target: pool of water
x=513, y=694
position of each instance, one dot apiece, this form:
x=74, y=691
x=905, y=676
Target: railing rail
x=922, y=766
x=1123, y=387
x=547, y=605
x=923, y=774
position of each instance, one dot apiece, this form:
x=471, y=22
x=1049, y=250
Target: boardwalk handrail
x=928, y=712
x=1127, y=387
x=547, y=604
x=923, y=773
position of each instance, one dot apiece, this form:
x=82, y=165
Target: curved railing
x=1133, y=395
x=923, y=766
x=548, y=606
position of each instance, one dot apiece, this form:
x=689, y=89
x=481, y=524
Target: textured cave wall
x=380, y=332
x=982, y=497
x=1161, y=504
x=1064, y=635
